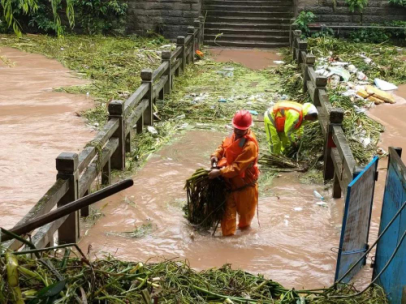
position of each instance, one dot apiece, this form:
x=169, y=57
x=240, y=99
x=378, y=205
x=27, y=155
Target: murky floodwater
x=36, y=125
x=251, y=58
x=292, y=245
x=295, y=243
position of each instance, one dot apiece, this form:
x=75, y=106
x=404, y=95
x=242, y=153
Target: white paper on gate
x=384, y=85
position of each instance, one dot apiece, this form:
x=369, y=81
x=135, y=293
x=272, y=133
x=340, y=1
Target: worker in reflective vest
x=284, y=121
x=236, y=160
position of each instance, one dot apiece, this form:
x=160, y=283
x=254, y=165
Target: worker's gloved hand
x=213, y=160
x=214, y=173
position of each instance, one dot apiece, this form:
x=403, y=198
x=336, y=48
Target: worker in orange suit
x=236, y=160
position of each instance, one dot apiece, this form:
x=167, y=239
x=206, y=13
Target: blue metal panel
x=393, y=279
x=356, y=222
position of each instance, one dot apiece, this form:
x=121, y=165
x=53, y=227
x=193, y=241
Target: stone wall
x=167, y=17
x=377, y=11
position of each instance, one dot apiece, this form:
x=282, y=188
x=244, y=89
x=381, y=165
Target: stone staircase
x=247, y=23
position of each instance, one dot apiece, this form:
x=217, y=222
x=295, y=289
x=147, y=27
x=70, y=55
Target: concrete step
x=253, y=2
x=247, y=26
x=254, y=14
x=261, y=32
x=247, y=7
x=248, y=44
x=246, y=37
x=248, y=20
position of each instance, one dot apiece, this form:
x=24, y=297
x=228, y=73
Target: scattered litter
x=287, y=216
x=227, y=72
x=222, y=100
x=349, y=93
x=359, y=110
x=361, y=76
x=279, y=62
x=318, y=195
x=284, y=97
x=352, y=69
x=339, y=63
x=384, y=85
x=375, y=92
x=367, y=60
x=96, y=124
x=201, y=62
x=334, y=81
x=298, y=209
x=381, y=151
x=183, y=116
x=253, y=112
x=152, y=130
x=340, y=71
x=322, y=204
x=166, y=46
x=286, y=223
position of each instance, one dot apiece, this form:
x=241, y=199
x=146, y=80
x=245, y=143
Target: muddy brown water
x=36, y=125
x=295, y=241
x=292, y=245
x=252, y=58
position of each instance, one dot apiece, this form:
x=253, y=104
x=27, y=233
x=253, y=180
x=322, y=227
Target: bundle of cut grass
x=59, y=278
x=205, y=199
x=280, y=162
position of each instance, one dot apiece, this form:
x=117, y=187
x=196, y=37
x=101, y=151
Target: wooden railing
x=339, y=162
x=78, y=172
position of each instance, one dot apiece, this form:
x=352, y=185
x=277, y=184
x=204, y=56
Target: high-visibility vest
x=233, y=148
x=279, y=114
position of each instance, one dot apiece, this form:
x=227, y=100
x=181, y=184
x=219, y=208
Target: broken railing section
x=78, y=172
x=339, y=163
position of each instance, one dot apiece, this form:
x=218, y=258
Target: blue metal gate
x=356, y=222
x=393, y=278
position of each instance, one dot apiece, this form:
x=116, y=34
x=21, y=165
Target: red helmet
x=242, y=120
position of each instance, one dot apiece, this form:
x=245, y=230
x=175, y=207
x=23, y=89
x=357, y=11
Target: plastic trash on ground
x=361, y=76
x=384, y=85
x=386, y=97
x=340, y=71
x=352, y=69
x=339, y=63
x=152, y=130
x=334, y=81
x=222, y=100
x=253, y=112
x=318, y=195
x=278, y=62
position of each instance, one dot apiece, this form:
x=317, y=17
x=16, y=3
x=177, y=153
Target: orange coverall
x=241, y=176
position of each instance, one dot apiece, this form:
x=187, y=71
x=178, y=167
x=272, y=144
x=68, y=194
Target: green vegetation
x=356, y=5
x=83, y=16
x=302, y=21
x=398, y=2
x=71, y=280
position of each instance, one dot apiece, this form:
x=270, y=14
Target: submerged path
x=36, y=125
x=292, y=245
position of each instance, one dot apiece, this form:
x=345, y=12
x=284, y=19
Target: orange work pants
x=243, y=202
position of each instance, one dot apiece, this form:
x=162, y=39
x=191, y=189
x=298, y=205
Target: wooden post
x=196, y=24
x=116, y=110
x=146, y=76
x=166, y=56
x=180, y=42
x=202, y=20
x=67, y=166
x=140, y=124
x=85, y=211
x=191, y=32
x=309, y=62
x=128, y=141
x=336, y=187
x=296, y=34
x=336, y=118
x=106, y=173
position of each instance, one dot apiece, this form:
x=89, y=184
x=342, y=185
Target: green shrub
x=302, y=21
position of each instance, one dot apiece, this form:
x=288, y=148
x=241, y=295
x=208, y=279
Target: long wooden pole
x=68, y=209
